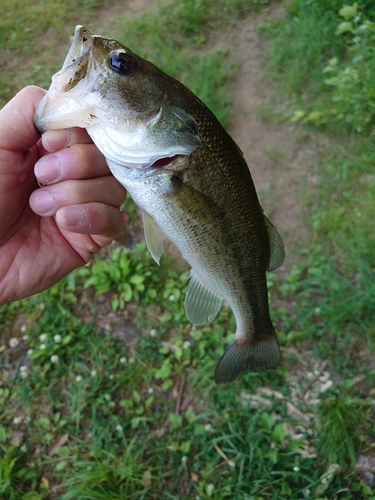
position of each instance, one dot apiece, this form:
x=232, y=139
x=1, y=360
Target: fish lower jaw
x=59, y=111
x=132, y=148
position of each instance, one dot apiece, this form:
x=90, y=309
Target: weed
x=125, y=274
x=274, y=155
x=109, y=475
x=339, y=430
x=338, y=54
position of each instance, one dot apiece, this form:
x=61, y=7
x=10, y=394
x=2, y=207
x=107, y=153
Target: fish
x=189, y=179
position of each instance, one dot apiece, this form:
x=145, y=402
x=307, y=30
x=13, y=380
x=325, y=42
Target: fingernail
x=42, y=201
x=47, y=169
x=73, y=216
x=54, y=140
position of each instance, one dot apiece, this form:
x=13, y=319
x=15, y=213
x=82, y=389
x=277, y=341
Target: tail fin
x=243, y=356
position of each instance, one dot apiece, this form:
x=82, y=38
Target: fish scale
x=188, y=177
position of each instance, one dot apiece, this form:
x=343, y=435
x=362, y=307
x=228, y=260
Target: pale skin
x=59, y=204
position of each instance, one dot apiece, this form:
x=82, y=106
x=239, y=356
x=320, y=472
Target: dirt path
x=278, y=161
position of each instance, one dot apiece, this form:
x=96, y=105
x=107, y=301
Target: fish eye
x=121, y=62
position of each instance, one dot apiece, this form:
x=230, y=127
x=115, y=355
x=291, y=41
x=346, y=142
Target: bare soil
x=278, y=156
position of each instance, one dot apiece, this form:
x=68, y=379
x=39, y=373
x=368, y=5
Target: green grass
x=328, y=74
x=34, y=37
x=338, y=275
x=109, y=392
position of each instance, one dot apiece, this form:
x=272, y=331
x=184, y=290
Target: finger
x=91, y=218
x=47, y=201
x=17, y=130
x=81, y=161
x=54, y=140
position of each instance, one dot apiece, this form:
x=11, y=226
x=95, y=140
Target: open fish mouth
x=60, y=108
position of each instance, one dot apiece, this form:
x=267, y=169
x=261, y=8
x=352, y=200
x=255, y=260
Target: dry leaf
x=16, y=437
x=45, y=482
x=57, y=444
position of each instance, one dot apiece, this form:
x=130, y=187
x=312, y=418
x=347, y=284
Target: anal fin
x=153, y=237
x=244, y=356
x=200, y=303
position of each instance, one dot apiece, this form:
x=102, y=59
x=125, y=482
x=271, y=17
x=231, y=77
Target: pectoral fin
x=194, y=203
x=200, y=303
x=277, y=246
x=153, y=237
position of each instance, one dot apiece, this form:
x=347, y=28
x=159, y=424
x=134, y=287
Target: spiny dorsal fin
x=153, y=237
x=200, y=303
x=277, y=246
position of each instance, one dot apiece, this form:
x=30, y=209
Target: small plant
x=14, y=472
x=7, y=468
x=352, y=84
x=125, y=274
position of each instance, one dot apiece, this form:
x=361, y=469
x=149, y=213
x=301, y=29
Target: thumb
x=17, y=130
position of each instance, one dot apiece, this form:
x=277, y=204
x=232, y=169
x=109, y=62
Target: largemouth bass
x=188, y=177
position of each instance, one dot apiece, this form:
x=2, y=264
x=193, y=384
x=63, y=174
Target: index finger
x=54, y=140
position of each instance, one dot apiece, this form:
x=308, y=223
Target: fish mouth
x=68, y=102
x=61, y=109
x=163, y=162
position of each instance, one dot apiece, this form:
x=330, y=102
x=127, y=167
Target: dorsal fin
x=277, y=246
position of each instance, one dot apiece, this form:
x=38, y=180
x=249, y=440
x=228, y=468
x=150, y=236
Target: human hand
x=46, y=233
